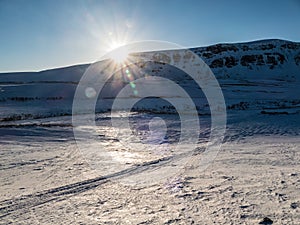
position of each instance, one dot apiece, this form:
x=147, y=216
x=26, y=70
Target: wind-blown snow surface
x=45, y=179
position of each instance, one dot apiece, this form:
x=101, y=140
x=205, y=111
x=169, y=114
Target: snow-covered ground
x=49, y=178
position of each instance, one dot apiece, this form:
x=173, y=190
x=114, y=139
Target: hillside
x=261, y=75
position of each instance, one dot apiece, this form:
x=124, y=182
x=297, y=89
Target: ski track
x=17, y=205
x=236, y=132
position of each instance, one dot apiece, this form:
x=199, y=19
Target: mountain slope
x=255, y=75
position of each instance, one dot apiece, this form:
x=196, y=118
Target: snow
x=47, y=179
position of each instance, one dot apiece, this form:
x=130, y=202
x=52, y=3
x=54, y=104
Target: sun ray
x=119, y=55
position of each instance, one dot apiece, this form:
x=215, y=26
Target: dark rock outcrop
x=266, y=220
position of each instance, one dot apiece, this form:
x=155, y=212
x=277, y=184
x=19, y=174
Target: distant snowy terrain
x=261, y=75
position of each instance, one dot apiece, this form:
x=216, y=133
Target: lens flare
x=132, y=84
x=90, y=92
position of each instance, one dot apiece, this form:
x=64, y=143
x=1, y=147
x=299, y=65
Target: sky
x=40, y=34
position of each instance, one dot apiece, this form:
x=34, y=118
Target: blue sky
x=37, y=35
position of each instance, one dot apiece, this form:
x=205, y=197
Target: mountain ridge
x=261, y=75
x=260, y=41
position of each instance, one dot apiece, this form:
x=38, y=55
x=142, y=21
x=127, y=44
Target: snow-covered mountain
x=267, y=59
x=261, y=75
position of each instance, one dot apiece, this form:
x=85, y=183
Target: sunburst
x=119, y=54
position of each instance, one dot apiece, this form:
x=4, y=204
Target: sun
x=119, y=54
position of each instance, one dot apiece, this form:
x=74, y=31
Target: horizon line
x=192, y=47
